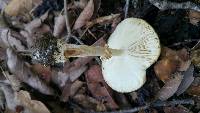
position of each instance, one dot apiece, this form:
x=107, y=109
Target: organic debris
x=149, y=51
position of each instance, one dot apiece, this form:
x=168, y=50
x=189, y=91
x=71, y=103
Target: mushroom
x=131, y=49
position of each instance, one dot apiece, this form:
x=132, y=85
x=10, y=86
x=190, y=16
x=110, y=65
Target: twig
x=154, y=104
x=184, y=42
x=67, y=19
x=165, y=4
x=126, y=8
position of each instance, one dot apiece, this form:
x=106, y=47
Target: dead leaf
x=88, y=102
x=102, y=20
x=195, y=57
x=80, y=4
x=187, y=80
x=97, y=87
x=2, y=100
x=171, y=61
x=194, y=90
x=170, y=87
x=75, y=87
x=194, y=17
x=85, y=15
x=24, y=73
x=9, y=96
x=32, y=26
x=179, y=109
x=7, y=40
x=3, y=4
x=66, y=91
x=16, y=7
x=59, y=25
x=34, y=106
x=42, y=70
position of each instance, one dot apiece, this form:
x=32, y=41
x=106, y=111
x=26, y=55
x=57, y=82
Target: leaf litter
x=77, y=84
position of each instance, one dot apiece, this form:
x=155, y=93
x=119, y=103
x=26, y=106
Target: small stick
x=136, y=109
x=165, y=4
x=67, y=19
x=126, y=8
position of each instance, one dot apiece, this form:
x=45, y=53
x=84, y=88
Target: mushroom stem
x=73, y=50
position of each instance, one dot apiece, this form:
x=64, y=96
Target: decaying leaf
x=171, y=61
x=178, y=109
x=7, y=40
x=59, y=25
x=195, y=57
x=187, y=80
x=16, y=7
x=13, y=80
x=102, y=20
x=80, y=4
x=34, y=106
x=2, y=99
x=3, y=4
x=75, y=87
x=170, y=87
x=32, y=26
x=85, y=15
x=9, y=96
x=194, y=90
x=42, y=70
x=97, y=87
x=89, y=102
x=23, y=72
x=194, y=17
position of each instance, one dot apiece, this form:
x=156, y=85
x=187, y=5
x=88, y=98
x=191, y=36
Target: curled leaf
x=170, y=87
x=59, y=25
x=187, y=80
x=85, y=15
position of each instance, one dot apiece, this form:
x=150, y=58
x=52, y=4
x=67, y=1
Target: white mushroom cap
x=127, y=72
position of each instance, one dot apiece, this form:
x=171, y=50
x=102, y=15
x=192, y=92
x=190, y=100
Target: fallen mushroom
x=132, y=48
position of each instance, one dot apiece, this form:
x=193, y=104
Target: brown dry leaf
x=97, y=87
x=75, y=87
x=42, y=70
x=80, y=4
x=171, y=61
x=34, y=106
x=170, y=87
x=102, y=20
x=9, y=96
x=24, y=73
x=16, y=7
x=179, y=109
x=59, y=25
x=194, y=17
x=60, y=78
x=89, y=102
x=187, y=80
x=194, y=90
x=7, y=40
x=32, y=26
x=195, y=57
x=85, y=15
